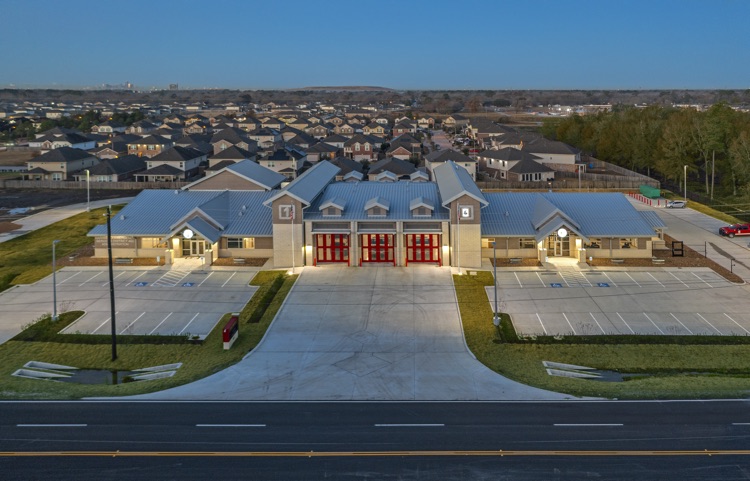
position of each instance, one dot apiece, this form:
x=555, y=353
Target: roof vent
x=122, y=217
x=507, y=214
x=176, y=192
x=244, y=207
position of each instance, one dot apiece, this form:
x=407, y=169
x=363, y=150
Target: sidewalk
x=47, y=217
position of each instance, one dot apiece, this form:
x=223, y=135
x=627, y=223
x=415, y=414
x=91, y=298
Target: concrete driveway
x=373, y=333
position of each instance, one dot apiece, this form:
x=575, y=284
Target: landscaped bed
x=669, y=366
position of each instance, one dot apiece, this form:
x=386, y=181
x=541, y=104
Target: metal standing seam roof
x=152, y=213
x=378, y=202
x=597, y=214
x=309, y=185
x=399, y=195
x=263, y=176
x=454, y=181
x=653, y=219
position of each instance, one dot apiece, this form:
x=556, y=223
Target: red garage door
x=422, y=248
x=377, y=248
x=332, y=247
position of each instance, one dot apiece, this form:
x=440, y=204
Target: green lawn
x=199, y=360
x=695, y=371
x=28, y=258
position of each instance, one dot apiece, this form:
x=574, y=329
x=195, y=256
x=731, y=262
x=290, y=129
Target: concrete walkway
x=47, y=217
x=372, y=333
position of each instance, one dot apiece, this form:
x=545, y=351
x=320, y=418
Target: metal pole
x=292, y=216
x=684, y=192
x=458, y=240
x=111, y=283
x=495, y=318
x=54, y=281
x=88, y=192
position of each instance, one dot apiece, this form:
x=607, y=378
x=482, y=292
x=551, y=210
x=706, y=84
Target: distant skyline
x=530, y=44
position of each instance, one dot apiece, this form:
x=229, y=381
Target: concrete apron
x=385, y=333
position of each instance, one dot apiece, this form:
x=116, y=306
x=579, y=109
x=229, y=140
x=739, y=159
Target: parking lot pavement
x=150, y=301
x=624, y=301
x=370, y=333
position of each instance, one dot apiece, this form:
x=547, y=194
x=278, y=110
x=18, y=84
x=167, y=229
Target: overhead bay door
x=423, y=248
x=332, y=247
x=377, y=248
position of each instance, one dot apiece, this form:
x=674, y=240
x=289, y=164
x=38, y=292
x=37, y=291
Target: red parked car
x=735, y=229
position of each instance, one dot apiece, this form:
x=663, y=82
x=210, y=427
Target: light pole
x=54, y=282
x=684, y=191
x=495, y=318
x=458, y=241
x=88, y=194
x=111, y=283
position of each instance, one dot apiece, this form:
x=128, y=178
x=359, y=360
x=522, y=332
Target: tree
x=677, y=145
x=739, y=160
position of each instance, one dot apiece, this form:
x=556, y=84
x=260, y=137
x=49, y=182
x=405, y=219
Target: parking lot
x=662, y=302
x=154, y=301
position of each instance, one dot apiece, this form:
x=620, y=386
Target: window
x=182, y=165
x=151, y=243
x=367, y=147
x=151, y=147
x=465, y=212
x=133, y=147
x=628, y=243
x=527, y=243
x=271, y=164
x=240, y=243
x=487, y=242
x=595, y=243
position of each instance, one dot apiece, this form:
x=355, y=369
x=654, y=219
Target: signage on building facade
x=118, y=242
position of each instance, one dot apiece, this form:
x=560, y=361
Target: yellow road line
x=332, y=454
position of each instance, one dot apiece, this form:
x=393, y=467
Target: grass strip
x=691, y=367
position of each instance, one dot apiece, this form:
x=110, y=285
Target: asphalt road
x=238, y=440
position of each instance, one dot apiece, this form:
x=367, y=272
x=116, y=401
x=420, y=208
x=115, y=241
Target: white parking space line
x=683, y=325
x=519, y=280
x=162, y=322
x=564, y=280
x=571, y=325
x=136, y=277
x=188, y=324
x=683, y=283
x=204, y=280
x=540, y=322
x=69, y=278
x=89, y=279
x=652, y=322
x=657, y=280
x=102, y=324
x=706, y=321
x=136, y=319
x=540, y=279
x=597, y=322
x=230, y=278
x=118, y=275
x=610, y=279
x=703, y=280
x=626, y=324
x=631, y=278
x=736, y=323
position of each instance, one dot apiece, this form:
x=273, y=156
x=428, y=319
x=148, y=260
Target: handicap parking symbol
x=188, y=284
x=555, y=284
x=141, y=284
x=602, y=284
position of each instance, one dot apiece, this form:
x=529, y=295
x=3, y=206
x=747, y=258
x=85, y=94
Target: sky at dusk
x=403, y=44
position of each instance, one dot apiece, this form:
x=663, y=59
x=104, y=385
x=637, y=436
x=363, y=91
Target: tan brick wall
x=282, y=245
x=467, y=245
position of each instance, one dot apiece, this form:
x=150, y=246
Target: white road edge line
x=652, y=322
x=737, y=323
x=51, y=425
x=230, y=278
x=136, y=319
x=587, y=425
x=188, y=324
x=162, y=322
x=230, y=425
x=683, y=325
x=706, y=321
x=409, y=425
x=626, y=324
x=540, y=322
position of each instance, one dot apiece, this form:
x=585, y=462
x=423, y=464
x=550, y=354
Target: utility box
x=650, y=192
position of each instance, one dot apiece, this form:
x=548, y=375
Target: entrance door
x=377, y=248
x=193, y=247
x=423, y=248
x=332, y=247
x=558, y=246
